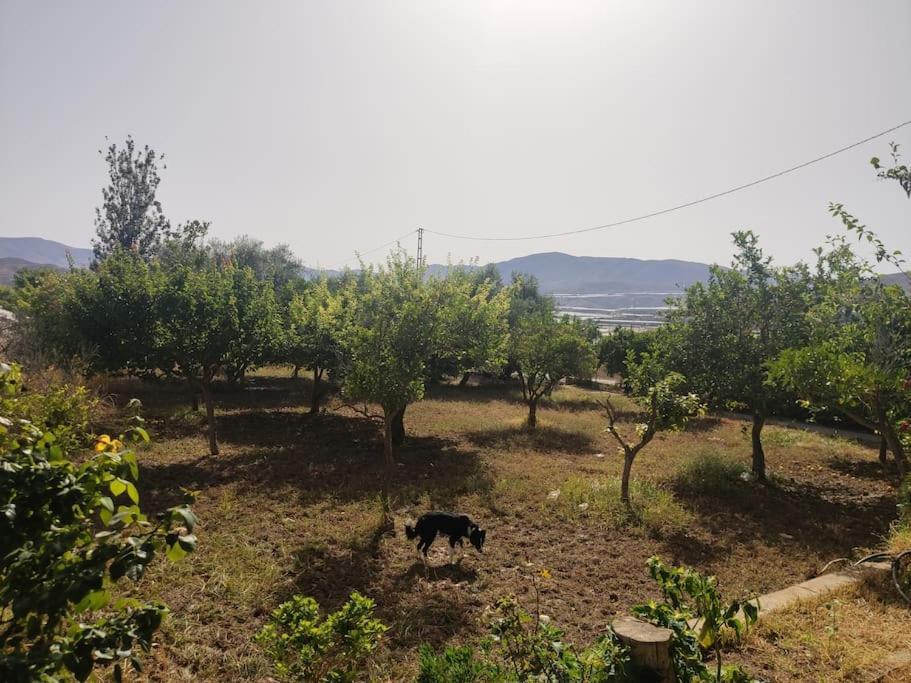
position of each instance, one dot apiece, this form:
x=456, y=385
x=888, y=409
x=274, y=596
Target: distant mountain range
x=575, y=280
x=41, y=252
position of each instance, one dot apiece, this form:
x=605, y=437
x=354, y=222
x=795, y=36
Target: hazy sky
x=336, y=126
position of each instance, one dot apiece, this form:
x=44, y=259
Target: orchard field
x=291, y=506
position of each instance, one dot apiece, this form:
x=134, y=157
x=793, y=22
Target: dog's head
x=477, y=536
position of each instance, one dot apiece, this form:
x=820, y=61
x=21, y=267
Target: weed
x=708, y=473
x=654, y=509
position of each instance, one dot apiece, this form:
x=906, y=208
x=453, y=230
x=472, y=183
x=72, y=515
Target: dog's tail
x=410, y=532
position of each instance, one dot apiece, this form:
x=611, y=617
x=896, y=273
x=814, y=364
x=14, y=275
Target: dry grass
x=844, y=637
x=291, y=507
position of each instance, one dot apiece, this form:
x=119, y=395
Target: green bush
x=524, y=647
x=306, y=647
x=63, y=410
x=68, y=532
x=692, y=601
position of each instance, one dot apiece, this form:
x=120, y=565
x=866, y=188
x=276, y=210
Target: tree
x=131, y=217
x=69, y=531
x=665, y=406
x=546, y=350
x=315, y=336
x=259, y=331
x=198, y=322
x=614, y=347
x=277, y=265
x=389, y=338
x=721, y=334
x=474, y=329
x=858, y=359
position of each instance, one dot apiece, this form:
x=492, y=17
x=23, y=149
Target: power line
x=685, y=205
x=370, y=251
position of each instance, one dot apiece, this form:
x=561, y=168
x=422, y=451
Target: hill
x=37, y=251
x=9, y=266
x=559, y=273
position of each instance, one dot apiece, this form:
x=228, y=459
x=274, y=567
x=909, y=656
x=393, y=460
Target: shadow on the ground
x=324, y=455
x=787, y=514
x=543, y=438
x=864, y=469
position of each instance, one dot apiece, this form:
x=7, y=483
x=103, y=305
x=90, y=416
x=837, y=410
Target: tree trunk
x=318, y=390
x=898, y=450
x=624, y=481
x=295, y=372
x=533, y=413
x=194, y=395
x=465, y=377
x=210, y=411
x=883, y=450
x=398, y=427
x=887, y=430
x=387, y=439
x=758, y=453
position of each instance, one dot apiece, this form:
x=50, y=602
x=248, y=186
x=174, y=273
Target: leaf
x=118, y=486
x=176, y=552
x=132, y=492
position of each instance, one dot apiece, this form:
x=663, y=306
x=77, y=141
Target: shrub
x=692, y=601
x=68, y=532
x=526, y=647
x=64, y=410
x=655, y=509
x=306, y=647
x=709, y=472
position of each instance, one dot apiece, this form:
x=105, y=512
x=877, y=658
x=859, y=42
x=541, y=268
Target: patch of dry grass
x=843, y=637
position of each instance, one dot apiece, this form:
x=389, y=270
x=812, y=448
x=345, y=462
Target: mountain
x=559, y=273
x=9, y=266
x=40, y=251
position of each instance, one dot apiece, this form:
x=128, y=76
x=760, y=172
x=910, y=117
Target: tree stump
x=650, y=646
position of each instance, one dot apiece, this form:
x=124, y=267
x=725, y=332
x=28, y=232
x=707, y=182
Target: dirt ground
x=291, y=506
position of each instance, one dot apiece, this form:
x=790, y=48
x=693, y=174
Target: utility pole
x=420, y=246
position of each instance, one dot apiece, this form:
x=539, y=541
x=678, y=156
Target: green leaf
x=132, y=492
x=176, y=552
x=118, y=486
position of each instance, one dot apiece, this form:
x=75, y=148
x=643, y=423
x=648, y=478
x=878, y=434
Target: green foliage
x=614, y=348
x=709, y=473
x=69, y=531
x=131, y=218
x=691, y=598
x=723, y=333
x=63, y=410
x=858, y=355
x=522, y=647
x=456, y=665
x=665, y=407
x=546, y=350
x=258, y=336
x=307, y=647
x=277, y=265
x=656, y=510
x=473, y=327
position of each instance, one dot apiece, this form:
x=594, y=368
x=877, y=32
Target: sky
x=340, y=126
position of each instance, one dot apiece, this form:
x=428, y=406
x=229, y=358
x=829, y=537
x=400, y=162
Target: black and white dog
x=457, y=527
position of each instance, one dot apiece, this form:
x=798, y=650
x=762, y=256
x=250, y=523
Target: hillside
x=10, y=266
x=37, y=251
x=560, y=273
